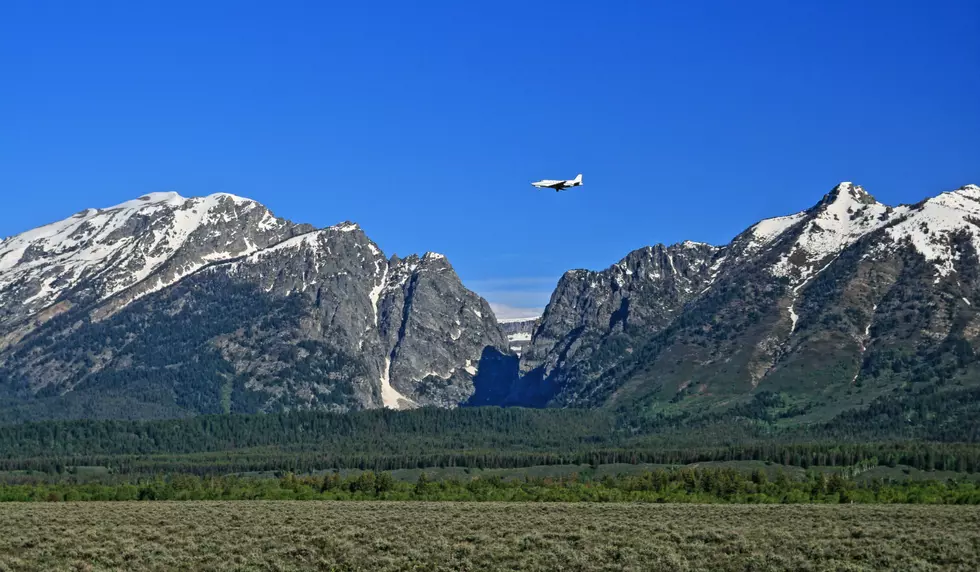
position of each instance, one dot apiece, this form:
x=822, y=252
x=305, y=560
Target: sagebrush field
x=484, y=536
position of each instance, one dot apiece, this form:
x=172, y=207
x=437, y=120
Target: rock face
x=434, y=332
x=830, y=307
x=167, y=306
x=590, y=313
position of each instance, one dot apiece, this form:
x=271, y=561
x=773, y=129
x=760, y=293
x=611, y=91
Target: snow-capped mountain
x=167, y=306
x=834, y=304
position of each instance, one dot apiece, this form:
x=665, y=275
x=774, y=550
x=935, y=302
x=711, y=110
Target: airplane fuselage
x=558, y=185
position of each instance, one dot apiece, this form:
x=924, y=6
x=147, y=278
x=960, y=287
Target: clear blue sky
x=425, y=122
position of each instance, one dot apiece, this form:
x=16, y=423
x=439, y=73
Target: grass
x=484, y=536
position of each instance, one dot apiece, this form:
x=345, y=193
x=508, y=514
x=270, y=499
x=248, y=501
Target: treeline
x=492, y=437
x=943, y=416
x=684, y=485
x=379, y=431
x=923, y=456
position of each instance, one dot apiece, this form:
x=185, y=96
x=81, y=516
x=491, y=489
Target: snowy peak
x=848, y=213
x=848, y=194
x=151, y=241
x=842, y=217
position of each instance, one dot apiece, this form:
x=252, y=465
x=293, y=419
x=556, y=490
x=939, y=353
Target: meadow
x=293, y=535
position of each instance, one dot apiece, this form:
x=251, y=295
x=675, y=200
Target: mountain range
x=166, y=306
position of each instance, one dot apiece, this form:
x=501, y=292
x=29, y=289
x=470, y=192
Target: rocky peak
x=434, y=333
x=435, y=262
x=845, y=198
x=846, y=193
x=346, y=226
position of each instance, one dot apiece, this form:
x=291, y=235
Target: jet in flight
x=559, y=185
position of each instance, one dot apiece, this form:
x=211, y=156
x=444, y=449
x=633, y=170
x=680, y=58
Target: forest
x=483, y=438
x=725, y=485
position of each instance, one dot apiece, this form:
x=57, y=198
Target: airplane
x=559, y=185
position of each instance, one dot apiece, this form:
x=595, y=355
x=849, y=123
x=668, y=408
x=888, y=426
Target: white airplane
x=559, y=185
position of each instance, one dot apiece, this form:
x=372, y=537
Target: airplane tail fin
x=578, y=178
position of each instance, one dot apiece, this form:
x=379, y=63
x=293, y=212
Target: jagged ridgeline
x=827, y=309
x=165, y=306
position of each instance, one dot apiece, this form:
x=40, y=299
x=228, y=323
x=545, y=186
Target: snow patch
x=390, y=396
x=375, y=294
x=929, y=228
x=516, y=320
x=268, y=222
x=770, y=229
x=693, y=244
x=345, y=227
x=519, y=337
x=867, y=330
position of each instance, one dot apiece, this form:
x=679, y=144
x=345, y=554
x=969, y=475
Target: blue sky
x=426, y=122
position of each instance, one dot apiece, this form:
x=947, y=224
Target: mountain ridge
x=361, y=330
x=747, y=292
x=828, y=308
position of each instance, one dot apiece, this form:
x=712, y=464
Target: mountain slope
x=233, y=311
x=831, y=307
